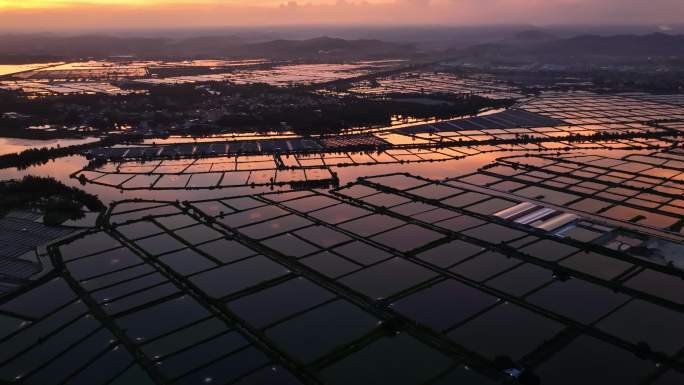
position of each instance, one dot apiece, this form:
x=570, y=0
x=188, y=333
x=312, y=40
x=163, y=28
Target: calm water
x=12, y=145
x=384, y=280
x=8, y=69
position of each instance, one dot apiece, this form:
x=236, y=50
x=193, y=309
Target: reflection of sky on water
x=63, y=168
x=398, y=253
x=12, y=145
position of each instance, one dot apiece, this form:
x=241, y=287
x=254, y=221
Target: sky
x=45, y=15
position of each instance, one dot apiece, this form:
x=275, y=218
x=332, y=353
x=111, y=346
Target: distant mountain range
x=521, y=46
x=326, y=46
x=52, y=47
x=656, y=44
x=546, y=48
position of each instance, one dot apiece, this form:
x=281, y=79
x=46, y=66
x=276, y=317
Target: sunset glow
x=75, y=14
x=51, y=4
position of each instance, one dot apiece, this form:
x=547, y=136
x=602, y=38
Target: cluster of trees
x=57, y=201
x=160, y=105
x=351, y=112
x=38, y=156
x=248, y=107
